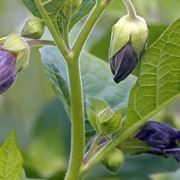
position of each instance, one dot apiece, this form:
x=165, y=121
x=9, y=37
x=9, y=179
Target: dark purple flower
x=7, y=70
x=123, y=63
x=162, y=139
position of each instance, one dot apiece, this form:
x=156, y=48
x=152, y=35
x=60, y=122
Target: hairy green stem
x=58, y=40
x=77, y=120
x=130, y=8
x=77, y=112
x=89, y=24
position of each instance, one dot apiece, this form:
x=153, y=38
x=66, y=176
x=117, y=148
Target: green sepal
x=133, y=146
x=129, y=30
x=94, y=106
x=102, y=117
x=17, y=45
x=109, y=122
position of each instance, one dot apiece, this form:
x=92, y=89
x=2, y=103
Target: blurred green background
x=32, y=109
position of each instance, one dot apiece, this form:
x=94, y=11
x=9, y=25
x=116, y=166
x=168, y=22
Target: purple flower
x=7, y=70
x=162, y=139
x=123, y=63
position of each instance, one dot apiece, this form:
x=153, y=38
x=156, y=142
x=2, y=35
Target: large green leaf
x=96, y=78
x=10, y=159
x=159, y=80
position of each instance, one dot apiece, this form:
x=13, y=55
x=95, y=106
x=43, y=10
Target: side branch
x=89, y=25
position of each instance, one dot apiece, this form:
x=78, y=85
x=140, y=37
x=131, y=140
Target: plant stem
x=88, y=25
x=58, y=40
x=130, y=8
x=77, y=120
x=92, y=148
x=66, y=36
x=39, y=42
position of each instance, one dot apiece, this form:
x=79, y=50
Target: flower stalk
x=130, y=8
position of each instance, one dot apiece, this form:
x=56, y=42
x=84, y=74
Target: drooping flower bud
x=128, y=40
x=7, y=70
x=114, y=160
x=33, y=28
x=14, y=56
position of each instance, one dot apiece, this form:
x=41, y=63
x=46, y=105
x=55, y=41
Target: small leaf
x=85, y=8
x=10, y=159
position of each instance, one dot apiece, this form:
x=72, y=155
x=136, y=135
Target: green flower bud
x=108, y=122
x=15, y=44
x=114, y=160
x=128, y=40
x=33, y=28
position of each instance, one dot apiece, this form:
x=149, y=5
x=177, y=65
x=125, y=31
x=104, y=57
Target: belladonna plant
x=117, y=128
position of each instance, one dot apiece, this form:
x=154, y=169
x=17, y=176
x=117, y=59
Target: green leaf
x=85, y=8
x=46, y=153
x=97, y=79
x=30, y=4
x=159, y=80
x=56, y=72
x=10, y=159
x=51, y=6
x=166, y=176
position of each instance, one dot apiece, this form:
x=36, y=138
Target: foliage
x=45, y=140
x=10, y=159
